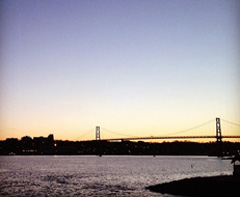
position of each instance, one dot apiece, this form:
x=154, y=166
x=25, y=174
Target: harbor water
x=100, y=176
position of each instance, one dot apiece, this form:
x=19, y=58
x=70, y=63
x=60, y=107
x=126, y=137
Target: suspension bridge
x=217, y=133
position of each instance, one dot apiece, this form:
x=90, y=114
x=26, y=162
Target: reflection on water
x=99, y=176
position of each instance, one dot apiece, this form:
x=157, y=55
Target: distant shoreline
x=226, y=185
x=49, y=146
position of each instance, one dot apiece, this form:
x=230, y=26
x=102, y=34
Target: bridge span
x=218, y=135
x=168, y=137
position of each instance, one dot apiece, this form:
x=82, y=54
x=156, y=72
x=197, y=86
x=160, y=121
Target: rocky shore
x=201, y=186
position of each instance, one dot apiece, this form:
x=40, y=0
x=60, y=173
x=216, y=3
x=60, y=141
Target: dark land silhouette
x=201, y=186
x=49, y=146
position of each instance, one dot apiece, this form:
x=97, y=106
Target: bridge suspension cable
x=84, y=134
x=192, y=128
x=116, y=133
x=236, y=124
x=169, y=134
x=230, y=127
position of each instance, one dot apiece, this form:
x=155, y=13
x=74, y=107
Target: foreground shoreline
x=226, y=185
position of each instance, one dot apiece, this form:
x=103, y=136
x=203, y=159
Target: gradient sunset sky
x=141, y=68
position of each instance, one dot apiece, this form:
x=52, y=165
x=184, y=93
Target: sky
x=139, y=68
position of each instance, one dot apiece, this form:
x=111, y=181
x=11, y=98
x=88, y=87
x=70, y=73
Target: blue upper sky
x=136, y=67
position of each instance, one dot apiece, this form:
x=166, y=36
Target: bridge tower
x=218, y=130
x=98, y=137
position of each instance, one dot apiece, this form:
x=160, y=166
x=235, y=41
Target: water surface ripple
x=99, y=176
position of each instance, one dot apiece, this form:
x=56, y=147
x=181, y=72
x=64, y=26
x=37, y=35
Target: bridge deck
x=168, y=137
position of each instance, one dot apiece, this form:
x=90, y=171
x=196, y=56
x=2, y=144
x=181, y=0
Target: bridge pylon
x=218, y=130
x=98, y=136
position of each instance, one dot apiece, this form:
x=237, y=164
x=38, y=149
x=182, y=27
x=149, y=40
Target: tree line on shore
x=49, y=146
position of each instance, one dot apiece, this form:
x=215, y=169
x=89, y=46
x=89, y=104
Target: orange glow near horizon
x=65, y=131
